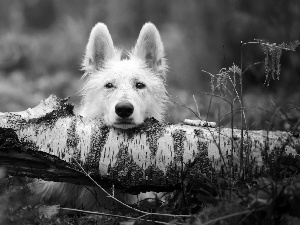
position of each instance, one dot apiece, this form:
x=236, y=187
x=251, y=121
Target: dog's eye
x=109, y=85
x=140, y=85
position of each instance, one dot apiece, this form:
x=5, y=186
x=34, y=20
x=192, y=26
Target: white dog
x=123, y=92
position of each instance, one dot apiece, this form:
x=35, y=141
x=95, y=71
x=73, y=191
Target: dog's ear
x=99, y=48
x=149, y=47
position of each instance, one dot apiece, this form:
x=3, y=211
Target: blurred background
x=42, y=43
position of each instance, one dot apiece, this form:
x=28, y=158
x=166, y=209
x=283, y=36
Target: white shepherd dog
x=123, y=92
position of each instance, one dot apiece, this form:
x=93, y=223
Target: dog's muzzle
x=124, y=109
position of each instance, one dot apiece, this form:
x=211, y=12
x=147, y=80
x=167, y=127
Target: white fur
x=103, y=64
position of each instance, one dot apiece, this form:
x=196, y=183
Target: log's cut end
x=51, y=105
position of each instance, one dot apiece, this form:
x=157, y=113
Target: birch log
x=45, y=141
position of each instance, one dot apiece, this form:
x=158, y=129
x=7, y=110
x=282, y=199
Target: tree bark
x=44, y=142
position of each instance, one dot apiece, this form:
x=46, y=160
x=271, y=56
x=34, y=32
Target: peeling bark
x=44, y=141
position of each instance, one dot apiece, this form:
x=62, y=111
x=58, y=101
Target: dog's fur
x=137, y=81
x=123, y=92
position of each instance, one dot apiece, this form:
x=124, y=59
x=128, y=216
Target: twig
x=184, y=105
x=112, y=215
x=94, y=194
x=227, y=216
x=218, y=96
x=237, y=110
x=199, y=115
x=218, y=146
x=122, y=203
x=257, y=42
x=254, y=64
x=242, y=112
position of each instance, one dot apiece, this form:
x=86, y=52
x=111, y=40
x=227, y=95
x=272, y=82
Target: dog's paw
x=202, y=123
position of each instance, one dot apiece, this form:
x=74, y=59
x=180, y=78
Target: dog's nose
x=124, y=110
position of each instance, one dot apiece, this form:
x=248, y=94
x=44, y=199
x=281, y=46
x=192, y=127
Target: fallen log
x=44, y=142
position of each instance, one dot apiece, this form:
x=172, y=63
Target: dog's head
x=124, y=92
